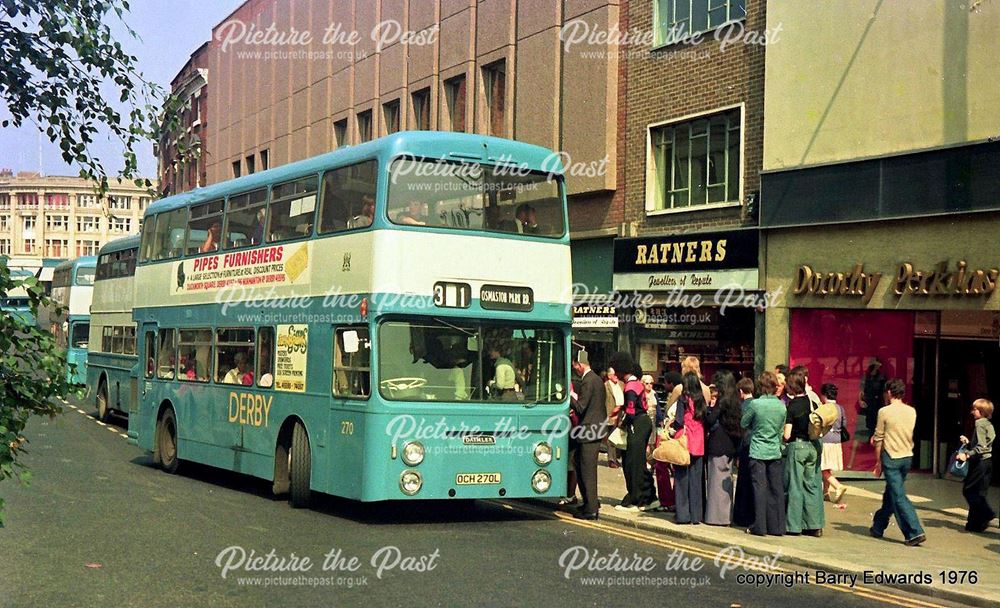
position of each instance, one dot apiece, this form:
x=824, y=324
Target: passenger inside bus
x=527, y=220
x=413, y=215
x=503, y=386
x=257, y=235
x=242, y=372
x=266, y=378
x=212, y=239
x=367, y=213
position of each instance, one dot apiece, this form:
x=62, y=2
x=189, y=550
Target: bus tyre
x=102, y=401
x=299, y=467
x=166, y=441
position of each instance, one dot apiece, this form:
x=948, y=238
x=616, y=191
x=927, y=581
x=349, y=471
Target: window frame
x=321, y=206
x=159, y=351
x=220, y=214
x=657, y=196
x=227, y=209
x=211, y=354
x=272, y=201
x=660, y=41
x=218, y=346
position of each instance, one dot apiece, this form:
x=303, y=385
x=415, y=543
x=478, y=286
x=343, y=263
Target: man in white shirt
x=504, y=378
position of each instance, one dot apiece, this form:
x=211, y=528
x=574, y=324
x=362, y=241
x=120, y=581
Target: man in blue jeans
x=893, y=440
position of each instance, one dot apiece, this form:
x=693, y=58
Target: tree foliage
x=59, y=62
x=32, y=372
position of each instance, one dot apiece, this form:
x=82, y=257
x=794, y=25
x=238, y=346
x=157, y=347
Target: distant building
x=55, y=217
x=191, y=85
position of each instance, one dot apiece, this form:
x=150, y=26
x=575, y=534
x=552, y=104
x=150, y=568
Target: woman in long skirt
x=723, y=423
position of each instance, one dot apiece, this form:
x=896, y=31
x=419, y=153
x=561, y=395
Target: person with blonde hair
x=979, y=453
x=689, y=365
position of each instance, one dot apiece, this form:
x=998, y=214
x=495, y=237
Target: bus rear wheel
x=299, y=468
x=102, y=401
x=166, y=441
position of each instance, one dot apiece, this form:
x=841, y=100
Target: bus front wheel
x=299, y=467
x=102, y=401
x=166, y=441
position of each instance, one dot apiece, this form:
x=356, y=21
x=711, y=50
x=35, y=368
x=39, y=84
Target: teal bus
x=73, y=290
x=387, y=321
x=16, y=302
x=112, y=374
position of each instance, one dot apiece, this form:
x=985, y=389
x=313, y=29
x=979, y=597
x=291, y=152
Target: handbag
x=958, y=468
x=845, y=435
x=617, y=438
x=673, y=451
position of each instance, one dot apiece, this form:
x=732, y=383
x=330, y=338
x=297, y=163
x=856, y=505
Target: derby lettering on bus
x=250, y=409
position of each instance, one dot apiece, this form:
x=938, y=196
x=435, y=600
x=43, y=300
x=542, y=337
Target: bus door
x=145, y=373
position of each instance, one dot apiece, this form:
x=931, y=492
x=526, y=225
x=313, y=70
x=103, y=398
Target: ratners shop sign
x=701, y=261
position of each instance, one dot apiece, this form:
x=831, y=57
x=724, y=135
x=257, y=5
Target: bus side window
x=168, y=242
x=106, y=339
x=129, y=340
x=265, y=357
x=150, y=351
x=195, y=355
x=348, y=200
x=234, y=358
x=205, y=228
x=292, y=210
x=352, y=362
x=245, y=215
x=167, y=355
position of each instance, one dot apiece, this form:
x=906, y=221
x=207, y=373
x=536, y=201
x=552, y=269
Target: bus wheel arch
x=165, y=452
x=103, y=398
x=293, y=462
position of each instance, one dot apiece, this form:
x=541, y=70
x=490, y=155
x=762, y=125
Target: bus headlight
x=410, y=482
x=413, y=453
x=541, y=481
x=543, y=454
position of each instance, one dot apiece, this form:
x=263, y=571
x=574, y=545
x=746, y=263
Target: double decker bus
x=386, y=321
x=73, y=290
x=111, y=361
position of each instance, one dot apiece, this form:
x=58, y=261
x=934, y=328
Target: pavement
x=846, y=546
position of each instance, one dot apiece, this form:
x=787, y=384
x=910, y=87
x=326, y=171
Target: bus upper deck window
x=348, y=200
x=292, y=210
x=245, y=215
x=205, y=228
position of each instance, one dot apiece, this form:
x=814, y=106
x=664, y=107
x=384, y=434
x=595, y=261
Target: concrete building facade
x=61, y=217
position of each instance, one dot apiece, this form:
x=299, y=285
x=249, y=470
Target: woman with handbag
x=979, y=453
x=637, y=426
x=690, y=480
x=833, y=450
x=723, y=422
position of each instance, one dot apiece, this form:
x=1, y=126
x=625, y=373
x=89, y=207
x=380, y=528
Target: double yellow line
x=750, y=563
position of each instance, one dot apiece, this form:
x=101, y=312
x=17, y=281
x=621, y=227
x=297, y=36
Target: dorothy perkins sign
x=701, y=261
x=941, y=280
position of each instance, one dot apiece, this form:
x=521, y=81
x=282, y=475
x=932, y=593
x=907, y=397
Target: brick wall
x=681, y=80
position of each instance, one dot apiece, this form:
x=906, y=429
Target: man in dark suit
x=589, y=406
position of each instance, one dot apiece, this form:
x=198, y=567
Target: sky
x=169, y=31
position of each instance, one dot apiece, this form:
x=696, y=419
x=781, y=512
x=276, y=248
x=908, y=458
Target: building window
x=677, y=20
x=57, y=200
x=696, y=162
x=340, y=133
x=56, y=248
x=143, y=203
x=5, y=247
x=86, y=200
x=250, y=164
x=27, y=200
x=28, y=225
x=87, y=247
x=365, y=126
x=495, y=84
x=29, y=245
x=264, y=160
x=390, y=112
x=88, y=224
x=119, y=202
x=120, y=224
x=4, y=222
x=56, y=222
x=4, y=201
x=422, y=110
x=454, y=94
x=236, y=168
